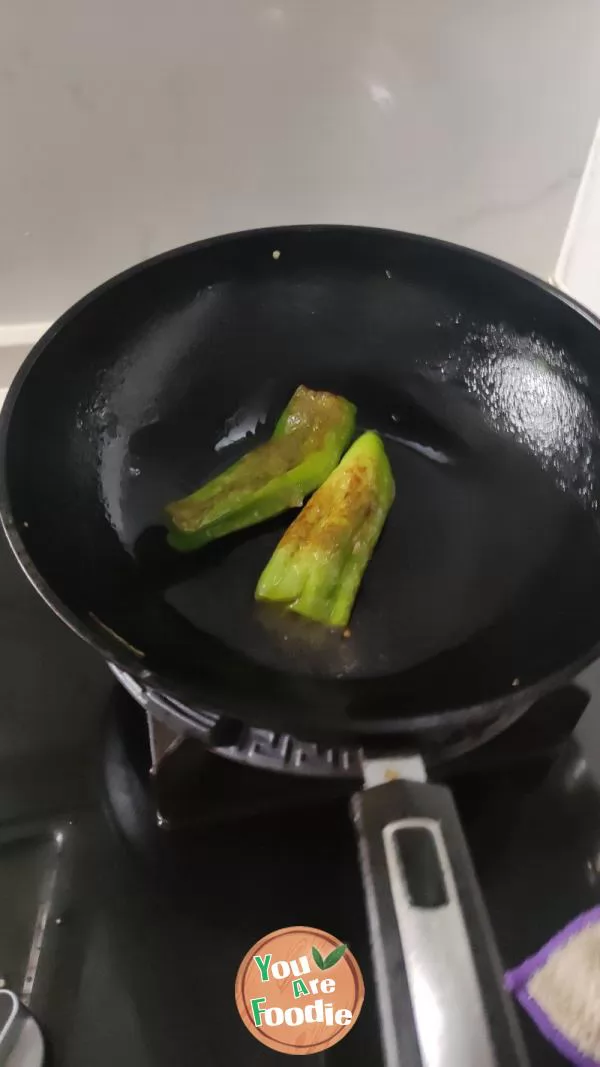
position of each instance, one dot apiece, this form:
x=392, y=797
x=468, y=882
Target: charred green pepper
x=307, y=442
x=317, y=567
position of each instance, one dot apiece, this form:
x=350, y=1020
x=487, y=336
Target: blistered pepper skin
x=318, y=565
x=308, y=440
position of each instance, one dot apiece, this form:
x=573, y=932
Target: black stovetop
x=126, y=939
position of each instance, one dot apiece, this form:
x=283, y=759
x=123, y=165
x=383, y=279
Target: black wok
x=484, y=591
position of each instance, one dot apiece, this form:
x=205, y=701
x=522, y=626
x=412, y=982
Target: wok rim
x=115, y=651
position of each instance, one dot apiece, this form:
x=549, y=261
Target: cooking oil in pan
x=487, y=528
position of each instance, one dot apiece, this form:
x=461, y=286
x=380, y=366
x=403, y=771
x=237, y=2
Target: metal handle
x=439, y=980
x=21, y=1041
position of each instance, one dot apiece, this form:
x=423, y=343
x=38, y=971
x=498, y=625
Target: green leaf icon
x=333, y=957
x=317, y=957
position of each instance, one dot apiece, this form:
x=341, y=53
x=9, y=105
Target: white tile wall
x=578, y=267
x=128, y=127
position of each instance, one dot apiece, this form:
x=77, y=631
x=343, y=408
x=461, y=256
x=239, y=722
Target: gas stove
x=139, y=864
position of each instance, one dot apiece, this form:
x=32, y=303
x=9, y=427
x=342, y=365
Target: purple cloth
x=516, y=982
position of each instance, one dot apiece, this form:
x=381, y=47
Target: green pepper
x=307, y=442
x=318, y=565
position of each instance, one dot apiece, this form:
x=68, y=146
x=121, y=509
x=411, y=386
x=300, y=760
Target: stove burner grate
x=260, y=748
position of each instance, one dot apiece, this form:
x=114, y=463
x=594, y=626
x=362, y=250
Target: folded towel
x=559, y=987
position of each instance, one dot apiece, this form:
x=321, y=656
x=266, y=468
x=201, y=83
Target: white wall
x=128, y=126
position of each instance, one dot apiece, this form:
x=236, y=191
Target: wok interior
x=487, y=576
